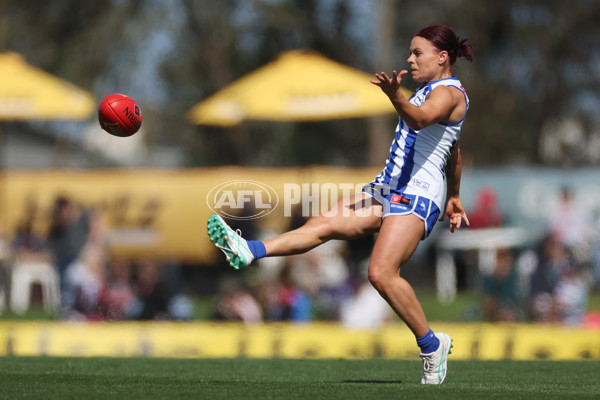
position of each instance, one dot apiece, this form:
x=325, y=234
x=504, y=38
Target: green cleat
x=230, y=242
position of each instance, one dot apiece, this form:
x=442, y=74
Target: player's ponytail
x=444, y=38
x=465, y=49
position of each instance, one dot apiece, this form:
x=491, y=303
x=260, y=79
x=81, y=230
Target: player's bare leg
x=398, y=238
x=350, y=218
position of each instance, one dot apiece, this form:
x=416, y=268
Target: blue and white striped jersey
x=417, y=158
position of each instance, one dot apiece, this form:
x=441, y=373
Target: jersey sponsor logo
x=421, y=184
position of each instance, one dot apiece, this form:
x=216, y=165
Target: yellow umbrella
x=28, y=93
x=297, y=86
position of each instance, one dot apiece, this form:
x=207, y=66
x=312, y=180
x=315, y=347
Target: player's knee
x=381, y=275
x=378, y=276
x=324, y=227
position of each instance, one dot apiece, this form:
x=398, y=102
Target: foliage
x=535, y=67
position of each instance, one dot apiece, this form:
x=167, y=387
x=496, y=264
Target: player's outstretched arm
x=437, y=108
x=454, y=209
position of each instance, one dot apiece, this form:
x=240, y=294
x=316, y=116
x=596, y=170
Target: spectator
x=236, y=303
x=152, y=295
x=554, y=259
x=500, y=290
x=569, y=223
x=156, y=297
x=28, y=244
x=323, y=276
x=26, y=249
x=118, y=295
x=365, y=309
x=26, y=241
x=571, y=297
x=67, y=234
x=291, y=303
x=335, y=283
x=486, y=213
x=85, y=277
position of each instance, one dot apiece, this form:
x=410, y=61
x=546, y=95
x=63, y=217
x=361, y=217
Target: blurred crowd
x=322, y=284
x=94, y=285
x=329, y=282
x=548, y=282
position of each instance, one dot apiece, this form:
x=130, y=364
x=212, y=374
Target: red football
x=119, y=115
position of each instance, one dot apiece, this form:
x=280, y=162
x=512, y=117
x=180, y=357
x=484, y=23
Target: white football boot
x=435, y=364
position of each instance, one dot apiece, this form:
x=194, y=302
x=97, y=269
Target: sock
x=257, y=248
x=428, y=343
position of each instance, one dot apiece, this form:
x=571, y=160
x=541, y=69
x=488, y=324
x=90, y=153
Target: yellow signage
x=164, y=212
x=472, y=341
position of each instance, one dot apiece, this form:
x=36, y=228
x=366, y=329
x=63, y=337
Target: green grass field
x=146, y=378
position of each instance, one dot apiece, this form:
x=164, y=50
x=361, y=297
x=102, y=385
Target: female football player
x=421, y=177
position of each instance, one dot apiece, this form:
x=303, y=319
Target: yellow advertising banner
x=472, y=341
x=163, y=213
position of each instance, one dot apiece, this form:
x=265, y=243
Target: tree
x=535, y=66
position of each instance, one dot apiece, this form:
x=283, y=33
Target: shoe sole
x=217, y=233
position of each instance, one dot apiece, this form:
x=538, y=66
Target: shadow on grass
x=369, y=381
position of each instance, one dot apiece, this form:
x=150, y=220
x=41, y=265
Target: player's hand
x=455, y=212
x=389, y=85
